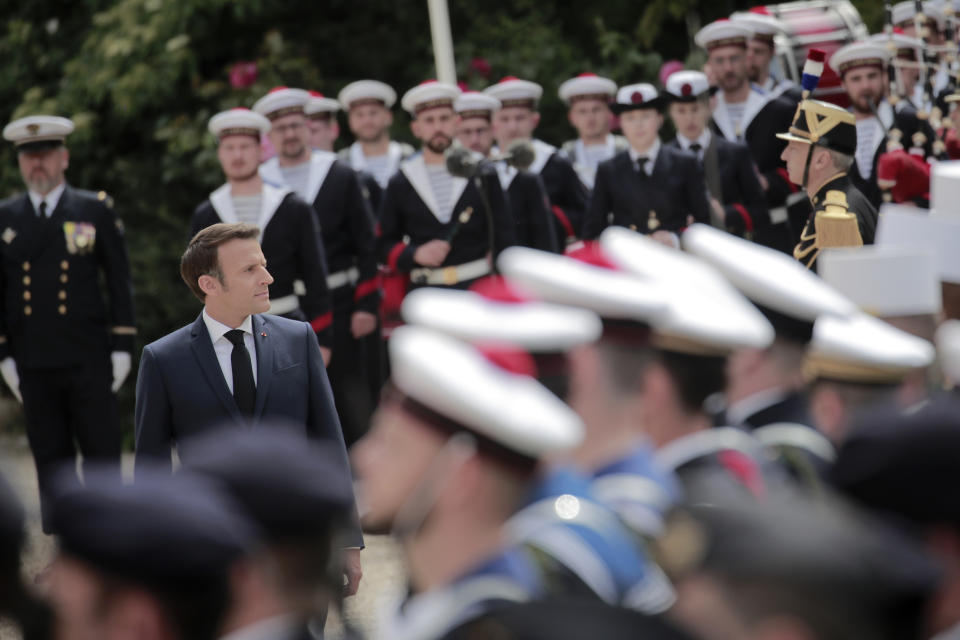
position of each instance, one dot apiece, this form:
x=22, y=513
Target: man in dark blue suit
x=232, y=365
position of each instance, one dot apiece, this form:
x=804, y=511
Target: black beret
x=161, y=531
x=905, y=464
x=292, y=487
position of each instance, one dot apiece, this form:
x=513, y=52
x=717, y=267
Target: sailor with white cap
x=321, y=115
x=907, y=56
x=761, y=51
x=517, y=119
x=368, y=104
x=346, y=226
x=434, y=225
x=64, y=348
x=737, y=201
x=664, y=350
x=743, y=113
x=525, y=193
x=649, y=188
x=766, y=387
x=857, y=363
x=289, y=236
x=516, y=331
x=861, y=67
x=588, y=98
x=452, y=452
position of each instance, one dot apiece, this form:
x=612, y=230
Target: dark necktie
x=43, y=210
x=244, y=389
x=696, y=147
x=641, y=166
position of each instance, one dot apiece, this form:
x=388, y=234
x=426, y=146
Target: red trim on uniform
x=747, y=220
x=782, y=172
x=744, y=469
x=562, y=217
x=322, y=322
x=394, y=255
x=366, y=287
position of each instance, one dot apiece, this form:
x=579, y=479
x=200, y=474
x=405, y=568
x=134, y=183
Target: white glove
x=121, y=368
x=8, y=369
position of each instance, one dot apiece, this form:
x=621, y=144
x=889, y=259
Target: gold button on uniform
x=26, y=295
x=27, y=310
x=64, y=265
x=26, y=266
x=62, y=309
x=62, y=295
x=26, y=281
x=63, y=278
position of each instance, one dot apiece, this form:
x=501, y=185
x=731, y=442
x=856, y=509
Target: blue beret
x=162, y=530
x=293, y=488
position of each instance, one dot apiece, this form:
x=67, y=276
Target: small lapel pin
x=263, y=334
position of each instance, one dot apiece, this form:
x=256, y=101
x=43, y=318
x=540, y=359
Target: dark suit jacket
x=567, y=193
x=744, y=204
x=52, y=308
x=674, y=190
x=857, y=204
x=181, y=390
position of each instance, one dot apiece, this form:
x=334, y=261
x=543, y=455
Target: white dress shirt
x=224, y=348
x=703, y=141
x=650, y=154
x=51, y=198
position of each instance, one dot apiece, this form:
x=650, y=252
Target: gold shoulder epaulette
x=835, y=226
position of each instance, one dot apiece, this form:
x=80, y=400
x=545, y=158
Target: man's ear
x=209, y=284
x=536, y=119
x=415, y=129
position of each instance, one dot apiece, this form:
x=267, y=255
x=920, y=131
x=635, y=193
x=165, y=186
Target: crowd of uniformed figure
x=623, y=387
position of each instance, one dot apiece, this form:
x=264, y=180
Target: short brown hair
x=200, y=258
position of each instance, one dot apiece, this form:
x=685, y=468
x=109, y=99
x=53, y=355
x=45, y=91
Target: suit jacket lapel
x=320, y=163
x=711, y=168
x=206, y=357
x=415, y=171
x=265, y=351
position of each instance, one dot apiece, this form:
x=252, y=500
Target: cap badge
x=636, y=97
x=686, y=90
x=33, y=129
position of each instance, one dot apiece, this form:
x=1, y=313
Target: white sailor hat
x=905, y=11
x=790, y=296
x=591, y=282
x=362, y=92
x=450, y=385
x=534, y=326
x=948, y=349
x=319, y=107
x=864, y=350
x=281, y=101
x=706, y=315
x=945, y=188
x=864, y=53
x=38, y=131
x=884, y=281
x=901, y=225
x=429, y=94
x=763, y=25
x=238, y=121
x=687, y=86
x=514, y=92
x=473, y=104
x=723, y=33
x=587, y=86
x=901, y=42
x=636, y=96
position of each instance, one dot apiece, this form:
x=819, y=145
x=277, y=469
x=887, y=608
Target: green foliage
x=141, y=78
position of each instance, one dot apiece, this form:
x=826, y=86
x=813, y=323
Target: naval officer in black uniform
x=434, y=225
x=63, y=349
x=651, y=187
x=346, y=228
x=819, y=154
x=737, y=203
x=517, y=119
x=525, y=193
